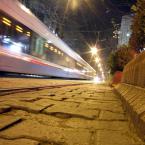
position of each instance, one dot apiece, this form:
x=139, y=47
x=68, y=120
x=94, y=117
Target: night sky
x=98, y=16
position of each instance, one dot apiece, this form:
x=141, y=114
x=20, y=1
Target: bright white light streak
x=96, y=80
x=25, y=9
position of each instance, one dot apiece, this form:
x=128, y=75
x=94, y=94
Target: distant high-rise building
x=125, y=30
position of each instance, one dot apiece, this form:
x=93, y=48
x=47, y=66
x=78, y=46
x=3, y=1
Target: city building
x=125, y=30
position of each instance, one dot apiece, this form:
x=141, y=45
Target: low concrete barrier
x=132, y=92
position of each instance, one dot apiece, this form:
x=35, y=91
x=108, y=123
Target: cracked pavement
x=87, y=114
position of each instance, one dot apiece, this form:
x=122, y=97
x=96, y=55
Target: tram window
x=38, y=46
x=16, y=37
x=13, y=36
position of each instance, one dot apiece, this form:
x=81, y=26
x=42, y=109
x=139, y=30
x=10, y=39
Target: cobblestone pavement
x=8, y=83
x=87, y=114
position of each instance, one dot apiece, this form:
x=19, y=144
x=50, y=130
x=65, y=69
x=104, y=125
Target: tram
x=27, y=46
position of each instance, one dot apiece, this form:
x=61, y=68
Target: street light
x=74, y=4
x=94, y=50
x=97, y=60
x=99, y=65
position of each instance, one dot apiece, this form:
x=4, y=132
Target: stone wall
x=134, y=72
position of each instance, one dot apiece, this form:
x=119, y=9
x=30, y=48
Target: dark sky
x=96, y=16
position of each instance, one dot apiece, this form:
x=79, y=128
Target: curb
x=133, y=99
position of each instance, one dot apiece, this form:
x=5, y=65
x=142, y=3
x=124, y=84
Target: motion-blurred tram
x=27, y=46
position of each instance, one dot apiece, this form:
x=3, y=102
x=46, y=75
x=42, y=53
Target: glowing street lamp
x=97, y=60
x=101, y=69
x=94, y=50
x=74, y=4
x=99, y=65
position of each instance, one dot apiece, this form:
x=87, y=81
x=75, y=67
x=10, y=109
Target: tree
x=112, y=62
x=119, y=58
x=137, y=40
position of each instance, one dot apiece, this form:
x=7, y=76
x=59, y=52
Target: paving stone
x=103, y=106
x=72, y=111
x=98, y=97
x=21, y=113
x=4, y=108
x=30, y=107
x=114, y=103
x=56, y=98
x=26, y=98
x=46, y=102
x=96, y=124
x=107, y=115
x=67, y=116
x=41, y=118
x=18, y=142
x=33, y=129
x=115, y=138
x=75, y=100
x=6, y=121
x=111, y=95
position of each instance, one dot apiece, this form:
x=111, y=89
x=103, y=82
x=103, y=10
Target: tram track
x=4, y=92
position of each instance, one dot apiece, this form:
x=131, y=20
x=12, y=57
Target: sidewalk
x=75, y=115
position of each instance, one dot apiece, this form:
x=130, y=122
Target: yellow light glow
x=67, y=59
x=97, y=60
x=79, y=64
x=51, y=48
x=94, y=50
x=74, y=4
x=99, y=65
x=28, y=35
x=101, y=70
x=19, y=30
x=59, y=52
x=17, y=26
x=55, y=50
x=46, y=45
x=7, y=20
x=7, y=23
